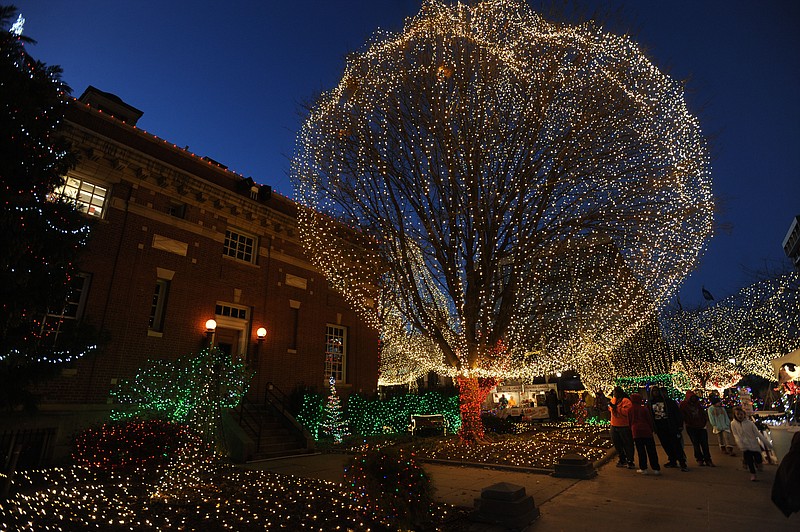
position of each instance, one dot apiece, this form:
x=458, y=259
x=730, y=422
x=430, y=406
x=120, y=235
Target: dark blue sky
x=228, y=79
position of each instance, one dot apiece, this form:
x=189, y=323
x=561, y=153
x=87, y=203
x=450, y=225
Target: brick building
x=180, y=240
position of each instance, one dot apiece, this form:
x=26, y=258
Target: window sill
x=154, y=334
x=240, y=261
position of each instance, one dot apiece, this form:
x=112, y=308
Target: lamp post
x=261, y=333
x=213, y=427
x=211, y=328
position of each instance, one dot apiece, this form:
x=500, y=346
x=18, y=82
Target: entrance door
x=227, y=341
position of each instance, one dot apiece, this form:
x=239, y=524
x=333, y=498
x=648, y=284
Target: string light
x=380, y=417
x=193, y=389
x=334, y=423
x=502, y=196
x=759, y=323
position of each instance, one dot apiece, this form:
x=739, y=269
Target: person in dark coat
x=695, y=418
x=669, y=427
x=786, y=488
x=642, y=428
x=551, y=400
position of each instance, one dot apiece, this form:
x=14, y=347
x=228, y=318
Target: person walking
x=721, y=423
x=620, y=428
x=642, y=427
x=747, y=437
x=696, y=419
x=669, y=427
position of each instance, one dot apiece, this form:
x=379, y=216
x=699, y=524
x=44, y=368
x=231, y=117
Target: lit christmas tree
x=334, y=423
x=502, y=196
x=42, y=233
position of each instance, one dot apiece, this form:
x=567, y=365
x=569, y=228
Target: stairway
x=274, y=430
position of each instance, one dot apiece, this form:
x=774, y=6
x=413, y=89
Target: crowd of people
x=635, y=423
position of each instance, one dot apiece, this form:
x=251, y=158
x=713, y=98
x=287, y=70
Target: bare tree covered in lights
x=482, y=156
x=757, y=324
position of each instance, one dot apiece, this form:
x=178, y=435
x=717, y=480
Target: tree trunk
x=471, y=393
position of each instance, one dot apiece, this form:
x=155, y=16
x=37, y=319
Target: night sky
x=228, y=80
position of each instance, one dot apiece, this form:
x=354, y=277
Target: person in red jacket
x=620, y=428
x=695, y=419
x=642, y=427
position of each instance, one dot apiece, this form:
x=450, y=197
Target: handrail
x=249, y=421
x=277, y=399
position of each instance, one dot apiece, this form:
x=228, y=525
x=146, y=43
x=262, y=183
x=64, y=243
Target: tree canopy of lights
x=42, y=236
x=484, y=185
x=738, y=335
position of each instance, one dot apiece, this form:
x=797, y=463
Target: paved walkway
x=702, y=499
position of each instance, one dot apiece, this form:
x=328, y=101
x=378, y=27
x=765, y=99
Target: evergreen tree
x=41, y=233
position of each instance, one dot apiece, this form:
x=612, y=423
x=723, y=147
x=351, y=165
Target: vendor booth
x=524, y=401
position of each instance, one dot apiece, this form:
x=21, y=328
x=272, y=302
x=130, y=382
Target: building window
x=335, y=352
x=229, y=311
x=178, y=210
x=158, y=307
x=59, y=321
x=88, y=198
x=295, y=325
x=239, y=246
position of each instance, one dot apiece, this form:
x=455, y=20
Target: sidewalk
x=702, y=499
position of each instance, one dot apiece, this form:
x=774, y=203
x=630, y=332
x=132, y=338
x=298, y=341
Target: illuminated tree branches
x=515, y=187
x=741, y=333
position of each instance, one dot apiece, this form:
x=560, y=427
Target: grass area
x=223, y=497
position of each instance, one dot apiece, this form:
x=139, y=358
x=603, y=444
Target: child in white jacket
x=747, y=437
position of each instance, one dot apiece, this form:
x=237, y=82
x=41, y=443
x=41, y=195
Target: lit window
x=88, y=198
x=239, y=246
x=158, y=307
x=335, y=352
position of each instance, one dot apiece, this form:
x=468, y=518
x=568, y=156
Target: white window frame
x=158, y=307
x=335, y=352
x=223, y=315
x=53, y=320
x=89, y=197
x=237, y=248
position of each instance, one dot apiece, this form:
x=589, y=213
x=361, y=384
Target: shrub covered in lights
x=311, y=413
x=367, y=417
x=389, y=483
x=665, y=381
x=133, y=446
x=185, y=390
x=393, y=416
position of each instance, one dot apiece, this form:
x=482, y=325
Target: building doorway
x=227, y=341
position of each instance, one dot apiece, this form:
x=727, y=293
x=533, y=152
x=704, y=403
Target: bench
x=431, y=423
